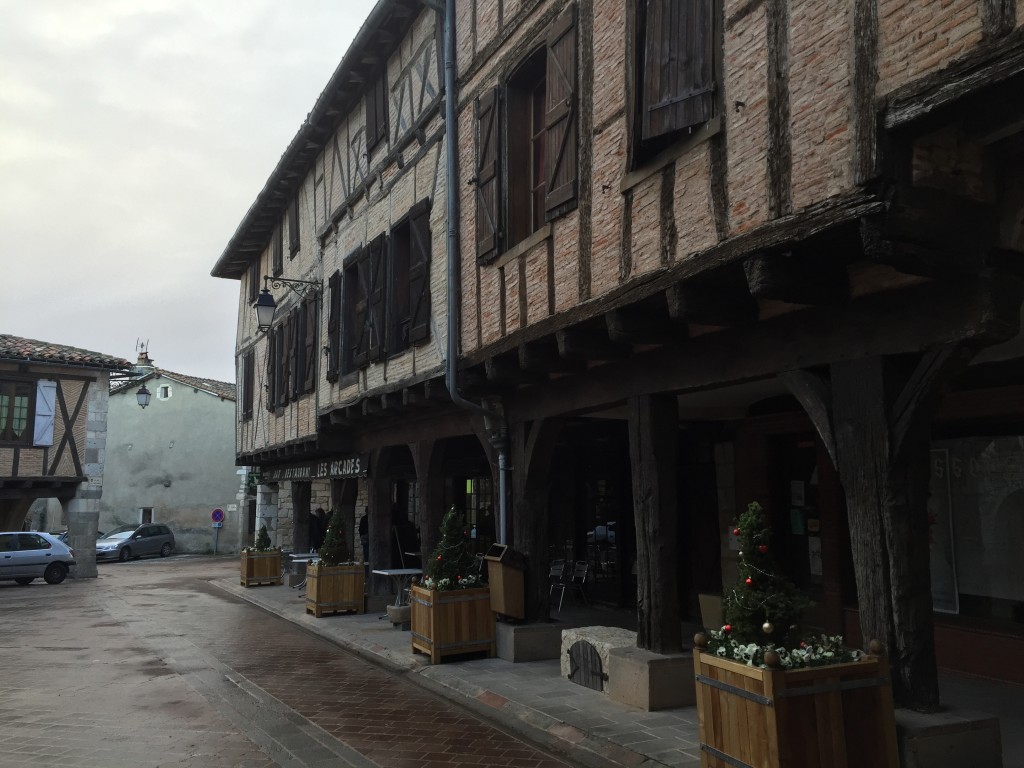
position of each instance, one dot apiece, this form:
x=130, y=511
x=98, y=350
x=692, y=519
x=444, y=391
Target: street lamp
x=142, y=396
x=265, y=304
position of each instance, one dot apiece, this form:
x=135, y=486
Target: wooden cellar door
x=585, y=666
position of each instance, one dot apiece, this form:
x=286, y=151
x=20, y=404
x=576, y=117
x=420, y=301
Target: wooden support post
x=653, y=447
x=427, y=458
x=533, y=446
x=379, y=527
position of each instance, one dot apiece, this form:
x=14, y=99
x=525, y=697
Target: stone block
x=398, y=615
x=650, y=681
x=602, y=638
x=528, y=642
x=947, y=739
x=294, y=579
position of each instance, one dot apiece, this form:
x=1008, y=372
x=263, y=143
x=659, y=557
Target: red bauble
x=762, y=548
x=749, y=581
x=727, y=628
x=439, y=558
x=735, y=531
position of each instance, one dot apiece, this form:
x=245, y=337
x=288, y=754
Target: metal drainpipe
x=499, y=431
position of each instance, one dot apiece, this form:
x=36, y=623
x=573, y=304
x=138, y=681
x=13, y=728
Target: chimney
x=144, y=366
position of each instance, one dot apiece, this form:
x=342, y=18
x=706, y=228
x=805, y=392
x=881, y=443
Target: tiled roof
x=32, y=351
x=222, y=389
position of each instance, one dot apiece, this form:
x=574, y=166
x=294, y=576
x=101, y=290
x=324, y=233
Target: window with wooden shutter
x=334, y=326
x=677, y=69
x=16, y=401
x=486, y=181
x=419, y=273
x=272, y=369
x=310, y=358
x=398, y=251
x=285, y=351
x=248, y=381
x=46, y=409
x=253, y=278
x=560, y=120
x=526, y=169
x=376, y=297
x=277, y=251
x=293, y=226
x=296, y=353
x=377, y=112
x=356, y=312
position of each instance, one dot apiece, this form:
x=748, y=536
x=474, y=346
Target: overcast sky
x=134, y=135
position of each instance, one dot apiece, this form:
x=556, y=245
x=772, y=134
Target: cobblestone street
x=150, y=666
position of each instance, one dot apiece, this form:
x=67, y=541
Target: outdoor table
x=401, y=578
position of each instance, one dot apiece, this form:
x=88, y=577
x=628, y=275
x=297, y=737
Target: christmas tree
x=334, y=550
x=263, y=540
x=764, y=607
x=451, y=564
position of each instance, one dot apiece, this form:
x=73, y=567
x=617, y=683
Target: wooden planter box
x=261, y=567
x=451, y=622
x=335, y=588
x=837, y=716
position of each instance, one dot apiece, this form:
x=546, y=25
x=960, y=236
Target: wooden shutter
x=357, y=280
x=419, y=273
x=678, y=68
x=560, y=121
x=488, y=223
x=375, y=297
x=309, y=370
x=254, y=281
x=295, y=353
x=293, y=226
x=46, y=398
x=272, y=369
x=248, y=362
x=377, y=111
x=285, y=350
x=334, y=326
x=278, y=250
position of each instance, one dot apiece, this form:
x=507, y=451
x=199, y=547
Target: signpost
x=217, y=516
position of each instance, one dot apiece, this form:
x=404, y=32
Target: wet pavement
x=151, y=666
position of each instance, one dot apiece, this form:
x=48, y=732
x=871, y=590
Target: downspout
x=494, y=419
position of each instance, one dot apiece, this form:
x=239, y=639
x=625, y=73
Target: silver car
x=129, y=542
x=28, y=555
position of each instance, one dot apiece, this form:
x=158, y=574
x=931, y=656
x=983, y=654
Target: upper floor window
x=253, y=279
x=676, y=88
x=293, y=226
x=377, y=111
x=291, y=355
x=248, y=381
x=526, y=144
x=386, y=293
x=277, y=250
x=16, y=401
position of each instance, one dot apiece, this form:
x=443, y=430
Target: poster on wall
x=814, y=558
x=945, y=593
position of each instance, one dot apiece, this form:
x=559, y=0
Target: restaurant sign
x=350, y=466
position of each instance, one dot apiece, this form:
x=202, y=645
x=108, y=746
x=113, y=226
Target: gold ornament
x=768, y=627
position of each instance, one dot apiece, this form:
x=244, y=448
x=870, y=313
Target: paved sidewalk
x=532, y=699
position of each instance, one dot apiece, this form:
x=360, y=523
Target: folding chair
x=556, y=578
x=577, y=580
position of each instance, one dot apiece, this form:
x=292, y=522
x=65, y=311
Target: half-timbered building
x=695, y=254
x=53, y=424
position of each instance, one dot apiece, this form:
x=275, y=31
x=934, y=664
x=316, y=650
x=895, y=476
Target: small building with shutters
x=53, y=424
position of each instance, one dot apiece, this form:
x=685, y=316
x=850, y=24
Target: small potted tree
x=451, y=609
x=261, y=563
x=803, y=701
x=335, y=583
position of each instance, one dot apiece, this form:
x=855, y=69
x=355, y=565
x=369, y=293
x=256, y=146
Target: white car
x=28, y=555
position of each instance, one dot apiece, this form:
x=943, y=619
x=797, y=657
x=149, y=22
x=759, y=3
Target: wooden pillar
x=379, y=527
x=533, y=446
x=427, y=457
x=873, y=414
x=653, y=448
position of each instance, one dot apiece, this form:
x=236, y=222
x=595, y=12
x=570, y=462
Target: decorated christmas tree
x=334, y=550
x=764, y=607
x=263, y=540
x=451, y=564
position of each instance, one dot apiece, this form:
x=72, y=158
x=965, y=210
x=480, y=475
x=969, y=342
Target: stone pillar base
x=948, y=739
x=529, y=642
x=651, y=681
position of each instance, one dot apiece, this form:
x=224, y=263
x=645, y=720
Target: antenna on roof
x=141, y=346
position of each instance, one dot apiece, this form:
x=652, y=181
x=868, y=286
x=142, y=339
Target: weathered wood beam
x=707, y=303
x=810, y=280
x=588, y=344
x=412, y=397
x=542, y=357
x=632, y=325
x=505, y=370
x=435, y=390
x=371, y=406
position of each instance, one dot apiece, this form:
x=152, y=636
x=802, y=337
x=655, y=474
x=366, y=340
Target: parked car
x=129, y=542
x=63, y=535
x=28, y=555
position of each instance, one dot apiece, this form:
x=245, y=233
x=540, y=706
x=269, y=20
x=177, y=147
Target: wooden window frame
x=377, y=111
x=294, y=240
x=334, y=326
x=248, y=379
x=8, y=389
x=277, y=250
x=253, y=278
